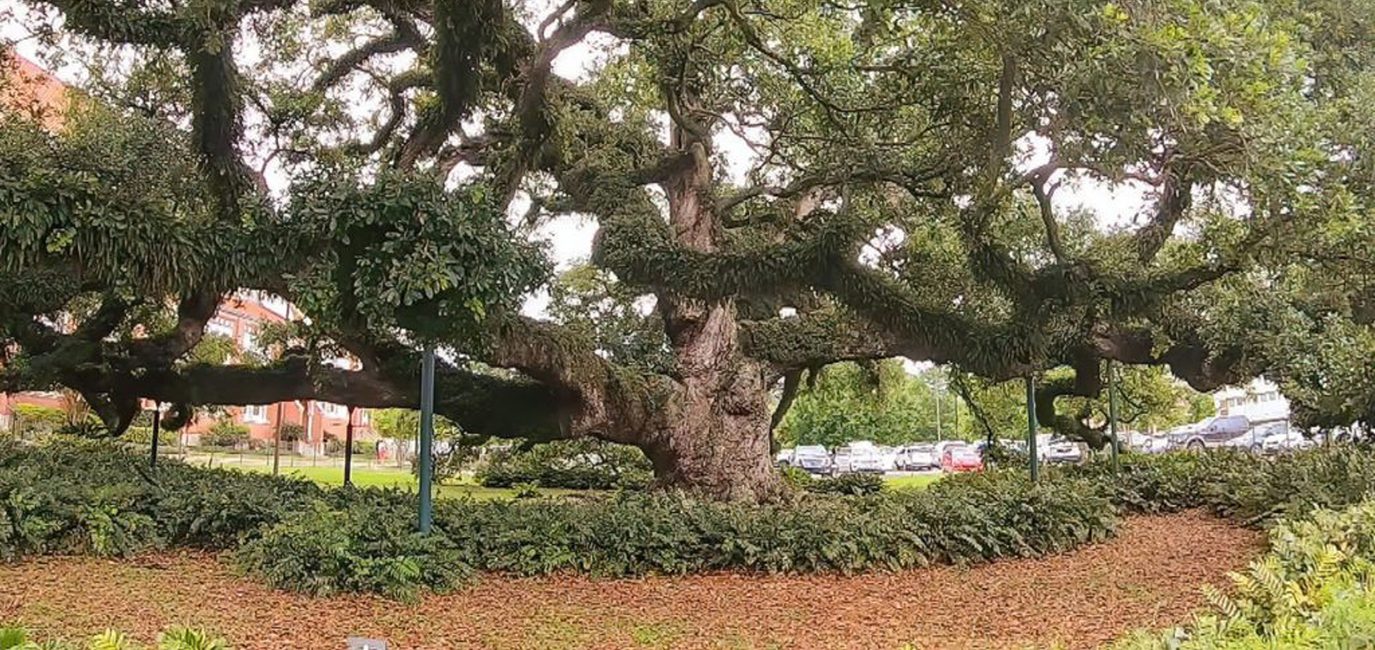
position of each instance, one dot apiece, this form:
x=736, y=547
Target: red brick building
x=29, y=89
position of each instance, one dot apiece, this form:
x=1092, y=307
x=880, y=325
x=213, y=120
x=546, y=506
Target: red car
x=962, y=459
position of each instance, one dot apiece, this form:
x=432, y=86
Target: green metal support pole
x=348, y=449
x=1034, y=461
x=1112, y=416
x=427, y=439
x=157, y=422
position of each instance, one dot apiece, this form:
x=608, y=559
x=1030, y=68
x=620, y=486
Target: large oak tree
x=793, y=183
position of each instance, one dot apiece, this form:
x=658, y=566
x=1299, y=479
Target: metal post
x=277, y=443
x=426, y=438
x=157, y=412
x=348, y=449
x=1035, y=462
x=1112, y=416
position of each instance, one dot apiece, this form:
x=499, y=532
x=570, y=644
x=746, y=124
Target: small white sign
x=359, y=643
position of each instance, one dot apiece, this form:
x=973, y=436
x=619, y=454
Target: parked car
x=942, y=445
x=1210, y=433
x=1154, y=445
x=783, y=458
x=814, y=459
x=1145, y=443
x=1286, y=441
x=1062, y=450
x=859, y=457
x=915, y=458
x=889, y=456
x=961, y=458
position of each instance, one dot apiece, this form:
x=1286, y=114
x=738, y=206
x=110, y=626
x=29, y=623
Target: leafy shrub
x=292, y=432
x=31, y=420
x=225, y=434
x=17, y=638
x=366, y=546
x=143, y=437
x=796, y=477
x=848, y=484
x=571, y=464
x=335, y=446
x=1237, y=484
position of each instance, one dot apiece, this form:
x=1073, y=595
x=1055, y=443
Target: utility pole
x=1035, y=461
x=426, y=439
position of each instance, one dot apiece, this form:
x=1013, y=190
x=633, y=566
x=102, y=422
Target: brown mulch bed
x=1148, y=576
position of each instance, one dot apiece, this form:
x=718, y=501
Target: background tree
x=381, y=164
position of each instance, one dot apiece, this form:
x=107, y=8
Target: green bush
x=848, y=484
x=143, y=437
x=30, y=420
x=292, y=432
x=796, y=477
x=368, y=546
x=1236, y=484
x=225, y=434
x=571, y=464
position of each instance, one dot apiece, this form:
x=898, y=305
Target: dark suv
x=1213, y=432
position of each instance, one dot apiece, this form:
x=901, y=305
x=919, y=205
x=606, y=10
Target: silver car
x=915, y=458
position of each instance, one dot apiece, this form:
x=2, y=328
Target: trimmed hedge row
x=569, y=464
x=96, y=499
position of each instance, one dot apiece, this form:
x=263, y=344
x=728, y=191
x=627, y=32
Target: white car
x=856, y=458
x=812, y=458
x=1280, y=442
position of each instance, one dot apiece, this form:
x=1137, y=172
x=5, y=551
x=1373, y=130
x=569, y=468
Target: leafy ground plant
x=18, y=638
x=1314, y=589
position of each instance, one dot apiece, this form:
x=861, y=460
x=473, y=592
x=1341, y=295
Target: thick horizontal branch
x=479, y=403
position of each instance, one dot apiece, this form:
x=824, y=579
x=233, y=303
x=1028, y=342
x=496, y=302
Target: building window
x=255, y=414
x=334, y=410
x=220, y=326
x=249, y=339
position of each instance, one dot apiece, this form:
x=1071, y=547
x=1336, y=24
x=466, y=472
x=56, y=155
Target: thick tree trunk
x=717, y=439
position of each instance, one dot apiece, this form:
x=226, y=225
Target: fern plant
x=188, y=639
x=111, y=640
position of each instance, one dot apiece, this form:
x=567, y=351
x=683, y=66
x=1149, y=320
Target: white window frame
x=255, y=413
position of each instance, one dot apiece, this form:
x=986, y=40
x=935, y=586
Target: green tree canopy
x=906, y=168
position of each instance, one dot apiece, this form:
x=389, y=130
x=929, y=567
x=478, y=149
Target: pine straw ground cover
x=1150, y=575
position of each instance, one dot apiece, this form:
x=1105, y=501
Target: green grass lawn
x=331, y=472
x=914, y=482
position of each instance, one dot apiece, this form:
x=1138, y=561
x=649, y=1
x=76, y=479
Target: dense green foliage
x=225, y=433
x=847, y=484
x=97, y=499
x=1237, y=484
x=879, y=402
x=354, y=544
x=1315, y=588
x=572, y=464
